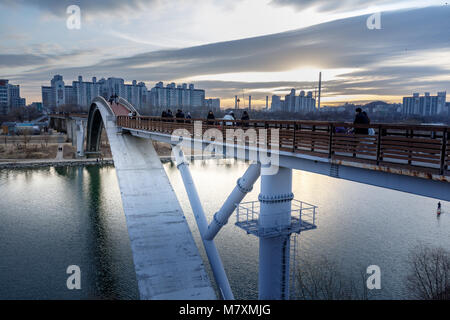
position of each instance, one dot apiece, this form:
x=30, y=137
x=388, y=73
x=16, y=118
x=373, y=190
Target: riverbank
x=25, y=164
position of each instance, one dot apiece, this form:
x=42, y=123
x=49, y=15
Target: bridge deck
x=420, y=148
x=119, y=109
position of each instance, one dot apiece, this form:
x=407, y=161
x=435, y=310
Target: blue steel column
x=275, y=212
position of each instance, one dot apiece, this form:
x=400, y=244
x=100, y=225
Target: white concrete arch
x=166, y=260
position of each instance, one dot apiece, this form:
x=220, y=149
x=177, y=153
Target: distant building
x=426, y=105
x=292, y=103
x=172, y=96
x=213, y=104
x=275, y=105
x=10, y=97
x=81, y=93
x=37, y=105
x=4, y=101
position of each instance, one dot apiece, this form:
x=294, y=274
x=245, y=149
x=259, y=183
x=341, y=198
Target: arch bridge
x=413, y=159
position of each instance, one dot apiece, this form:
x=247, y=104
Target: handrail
x=424, y=148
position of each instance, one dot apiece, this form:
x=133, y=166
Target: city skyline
x=358, y=64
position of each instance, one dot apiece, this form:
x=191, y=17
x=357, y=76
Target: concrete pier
x=167, y=261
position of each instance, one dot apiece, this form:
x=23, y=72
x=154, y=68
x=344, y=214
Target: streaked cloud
x=333, y=5
x=399, y=58
x=58, y=7
x=19, y=60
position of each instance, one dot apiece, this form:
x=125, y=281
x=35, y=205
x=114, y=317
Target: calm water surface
x=55, y=217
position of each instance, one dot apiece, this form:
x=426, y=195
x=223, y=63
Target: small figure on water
x=438, y=211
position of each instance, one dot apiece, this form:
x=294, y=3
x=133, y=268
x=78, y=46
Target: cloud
x=89, y=7
x=332, y=5
x=19, y=60
x=377, y=56
x=345, y=43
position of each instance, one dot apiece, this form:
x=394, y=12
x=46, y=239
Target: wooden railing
x=423, y=148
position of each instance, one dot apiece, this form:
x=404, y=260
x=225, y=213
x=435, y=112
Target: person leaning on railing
x=210, y=116
x=245, y=117
x=361, y=118
x=229, y=116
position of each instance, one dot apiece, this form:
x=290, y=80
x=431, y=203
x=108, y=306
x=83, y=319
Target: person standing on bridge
x=179, y=115
x=210, y=117
x=229, y=116
x=360, y=118
x=169, y=115
x=245, y=117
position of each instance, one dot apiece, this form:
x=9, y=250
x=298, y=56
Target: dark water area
x=51, y=218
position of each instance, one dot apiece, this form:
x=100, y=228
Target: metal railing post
x=379, y=145
x=443, y=152
x=330, y=146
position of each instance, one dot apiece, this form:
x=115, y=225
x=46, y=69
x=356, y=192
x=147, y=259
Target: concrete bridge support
x=166, y=259
x=80, y=125
x=274, y=249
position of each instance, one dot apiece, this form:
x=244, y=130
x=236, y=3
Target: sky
x=234, y=47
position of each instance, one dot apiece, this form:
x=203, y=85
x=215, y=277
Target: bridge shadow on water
x=112, y=274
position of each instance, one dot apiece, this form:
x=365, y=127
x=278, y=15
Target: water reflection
x=54, y=217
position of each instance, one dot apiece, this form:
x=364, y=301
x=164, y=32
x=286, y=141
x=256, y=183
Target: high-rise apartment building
x=292, y=103
x=81, y=93
x=9, y=97
x=173, y=96
x=426, y=105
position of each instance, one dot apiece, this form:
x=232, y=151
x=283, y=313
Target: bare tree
x=429, y=277
x=46, y=138
x=26, y=137
x=321, y=280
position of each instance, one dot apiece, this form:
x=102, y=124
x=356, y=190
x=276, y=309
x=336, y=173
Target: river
x=51, y=218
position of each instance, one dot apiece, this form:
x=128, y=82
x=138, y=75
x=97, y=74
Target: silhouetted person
x=360, y=118
x=210, y=117
x=245, y=117
x=188, y=116
x=179, y=115
x=164, y=114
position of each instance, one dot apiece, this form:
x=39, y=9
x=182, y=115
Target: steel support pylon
x=274, y=251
